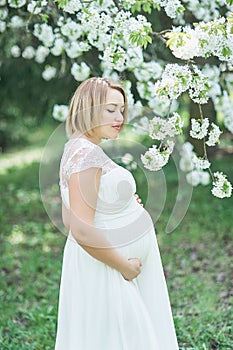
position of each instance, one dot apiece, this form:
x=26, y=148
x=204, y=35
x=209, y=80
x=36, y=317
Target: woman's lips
x=117, y=127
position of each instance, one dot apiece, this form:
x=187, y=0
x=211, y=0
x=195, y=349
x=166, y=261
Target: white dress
x=98, y=309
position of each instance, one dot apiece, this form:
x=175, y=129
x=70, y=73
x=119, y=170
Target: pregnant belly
x=140, y=247
x=126, y=226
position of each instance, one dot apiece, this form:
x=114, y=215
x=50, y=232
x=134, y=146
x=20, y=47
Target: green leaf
x=62, y=3
x=226, y=51
x=44, y=17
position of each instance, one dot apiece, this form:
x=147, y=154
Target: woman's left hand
x=138, y=199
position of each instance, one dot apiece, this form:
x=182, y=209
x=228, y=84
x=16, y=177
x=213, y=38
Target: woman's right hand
x=134, y=269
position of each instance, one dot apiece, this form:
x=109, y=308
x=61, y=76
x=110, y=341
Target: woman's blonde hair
x=88, y=103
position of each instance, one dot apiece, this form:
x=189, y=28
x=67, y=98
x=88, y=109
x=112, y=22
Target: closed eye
x=110, y=111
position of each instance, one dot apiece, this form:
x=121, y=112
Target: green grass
x=197, y=258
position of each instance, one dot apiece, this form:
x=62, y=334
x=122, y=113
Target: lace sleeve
x=85, y=158
x=80, y=159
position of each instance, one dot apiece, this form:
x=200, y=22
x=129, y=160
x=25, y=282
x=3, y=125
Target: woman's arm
x=65, y=216
x=83, y=194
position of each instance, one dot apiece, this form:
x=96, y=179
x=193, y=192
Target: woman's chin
x=112, y=135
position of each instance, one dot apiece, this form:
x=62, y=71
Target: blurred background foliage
x=27, y=100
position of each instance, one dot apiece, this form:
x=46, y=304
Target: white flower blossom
x=28, y=52
x=172, y=7
x=74, y=50
x=214, y=135
x=200, y=163
x=213, y=74
x=204, y=178
x=72, y=30
x=154, y=159
x=2, y=2
x=199, y=128
x=224, y=105
x=127, y=158
x=175, y=80
x=41, y=53
x=186, y=46
x=2, y=26
x=133, y=165
x=3, y=13
x=34, y=8
x=44, y=33
x=16, y=3
x=186, y=164
x=147, y=71
x=196, y=177
x=186, y=154
x=16, y=22
x=193, y=178
x=80, y=72
x=199, y=87
x=15, y=51
x=194, y=166
x=114, y=57
x=49, y=73
x=160, y=128
x=58, y=47
x=221, y=186
x=60, y=112
x=72, y=6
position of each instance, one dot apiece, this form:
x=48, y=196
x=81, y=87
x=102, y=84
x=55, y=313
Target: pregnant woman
x=113, y=293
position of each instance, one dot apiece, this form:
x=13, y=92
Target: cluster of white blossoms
x=162, y=128
x=72, y=6
x=221, y=186
x=60, y=112
x=80, y=72
x=213, y=75
x=16, y=3
x=177, y=79
x=44, y=33
x=155, y=158
x=49, y=72
x=224, y=105
x=214, y=135
x=206, y=39
x=15, y=51
x=35, y=7
x=194, y=166
x=172, y=7
x=128, y=160
x=199, y=130
x=118, y=37
x=205, y=10
x=160, y=105
x=28, y=52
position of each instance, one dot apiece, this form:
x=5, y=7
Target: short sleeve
x=84, y=158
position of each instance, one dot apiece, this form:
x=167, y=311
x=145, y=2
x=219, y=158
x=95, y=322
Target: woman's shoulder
x=79, y=150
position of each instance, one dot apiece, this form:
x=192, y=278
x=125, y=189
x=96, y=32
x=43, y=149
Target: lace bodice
x=117, y=208
x=80, y=154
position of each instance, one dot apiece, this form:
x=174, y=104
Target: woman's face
x=112, y=118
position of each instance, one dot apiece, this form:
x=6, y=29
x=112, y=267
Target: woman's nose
x=119, y=117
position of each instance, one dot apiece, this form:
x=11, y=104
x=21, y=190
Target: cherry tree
x=118, y=38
